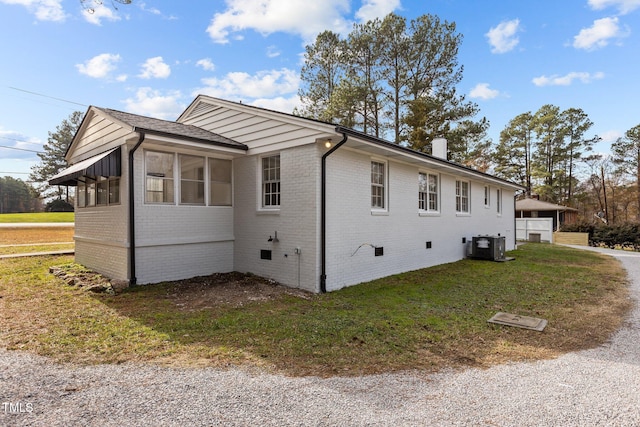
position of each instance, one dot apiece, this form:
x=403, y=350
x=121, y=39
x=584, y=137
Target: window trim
x=384, y=186
x=499, y=201
x=191, y=180
x=459, y=198
x=209, y=181
x=487, y=196
x=261, y=184
x=82, y=201
x=428, y=210
x=175, y=177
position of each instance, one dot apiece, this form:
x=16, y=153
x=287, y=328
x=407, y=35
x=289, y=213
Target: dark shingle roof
x=168, y=128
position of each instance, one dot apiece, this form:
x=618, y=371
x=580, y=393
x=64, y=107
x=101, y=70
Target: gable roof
x=539, y=205
x=168, y=128
x=364, y=141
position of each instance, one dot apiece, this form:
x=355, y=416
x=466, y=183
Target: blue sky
x=154, y=57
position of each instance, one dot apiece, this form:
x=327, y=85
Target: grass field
x=34, y=236
x=428, y=319
x=37, y=217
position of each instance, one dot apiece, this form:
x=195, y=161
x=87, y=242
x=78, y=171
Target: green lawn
x=37, y=217
x=428, y=319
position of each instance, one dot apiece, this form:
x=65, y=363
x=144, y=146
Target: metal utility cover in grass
x=518, y=321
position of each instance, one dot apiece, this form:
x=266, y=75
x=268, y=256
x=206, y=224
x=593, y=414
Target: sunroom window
x=159, y=177
x=191, y=180
x=220, y=182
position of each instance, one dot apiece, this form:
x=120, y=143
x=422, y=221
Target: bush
x=625, y=235
x=59, y=205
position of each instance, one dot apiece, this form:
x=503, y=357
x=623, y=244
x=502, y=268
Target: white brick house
x=231, y=187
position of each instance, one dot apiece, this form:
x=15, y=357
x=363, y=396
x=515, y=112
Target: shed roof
x=539, y=205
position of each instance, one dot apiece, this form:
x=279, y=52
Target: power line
x=17, y=173
x=19, y=140
x=47, y=96
x=20, y=149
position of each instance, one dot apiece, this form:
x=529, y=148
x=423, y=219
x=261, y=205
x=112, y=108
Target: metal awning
x=106, y=164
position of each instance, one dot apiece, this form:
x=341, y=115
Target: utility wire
x=20, y=149
x=19, y=140
x=47, y=96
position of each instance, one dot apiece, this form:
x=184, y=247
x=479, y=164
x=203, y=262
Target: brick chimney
x=439, y=148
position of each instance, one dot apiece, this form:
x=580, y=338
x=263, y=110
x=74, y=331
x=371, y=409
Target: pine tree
x=52, y=158
x=626, y=153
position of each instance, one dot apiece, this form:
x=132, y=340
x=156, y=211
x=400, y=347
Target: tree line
x=396, y=80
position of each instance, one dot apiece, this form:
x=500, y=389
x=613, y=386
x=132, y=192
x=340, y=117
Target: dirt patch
x=232, y=289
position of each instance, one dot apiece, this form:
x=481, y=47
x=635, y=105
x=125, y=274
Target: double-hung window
x=487, y=196
x=271, y=182
x=378, y=185
x=499, y=201
x=462, y=197
x=427, y=192
x=159, y=177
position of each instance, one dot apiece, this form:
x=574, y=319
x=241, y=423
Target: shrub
x=59, y=205
x=626, y=235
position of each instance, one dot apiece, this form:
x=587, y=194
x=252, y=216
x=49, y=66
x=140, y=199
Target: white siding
x=352, y=229
x=100, y=135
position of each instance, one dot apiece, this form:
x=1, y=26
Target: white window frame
x=211, y=181
x=463, y=201
x=174, y=179
x=262, y=193
x=382, y=200
x=487, y=196
x=199, y=180
x=499, y=201
x=425, y=198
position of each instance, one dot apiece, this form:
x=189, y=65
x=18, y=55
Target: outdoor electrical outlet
x=298, y=251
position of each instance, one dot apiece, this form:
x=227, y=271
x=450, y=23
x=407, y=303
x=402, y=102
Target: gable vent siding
x=201, y=108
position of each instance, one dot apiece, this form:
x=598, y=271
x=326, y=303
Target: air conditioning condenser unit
x=488, y=247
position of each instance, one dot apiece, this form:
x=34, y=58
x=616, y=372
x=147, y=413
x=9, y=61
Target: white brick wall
x=101, y=235
x=174, y=242
x=402, y=232
x=296, y=222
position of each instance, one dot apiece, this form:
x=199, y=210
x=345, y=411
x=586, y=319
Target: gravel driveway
x=599, y=387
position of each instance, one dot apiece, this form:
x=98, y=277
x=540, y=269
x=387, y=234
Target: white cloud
x=611, y=136
x=282, y=104
x=264, y=84
x=598, y=35
x=624, y=6
x=99, y=66
x=482, y=91
x=502, y=37
x=153, y=103
x=372, y=9
x=273, y=52
x=44, y=10
x=206, y=64
x=20, y=143
x=568, y=79
x=155, y=68
x=98, y=12
x=301, y=17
